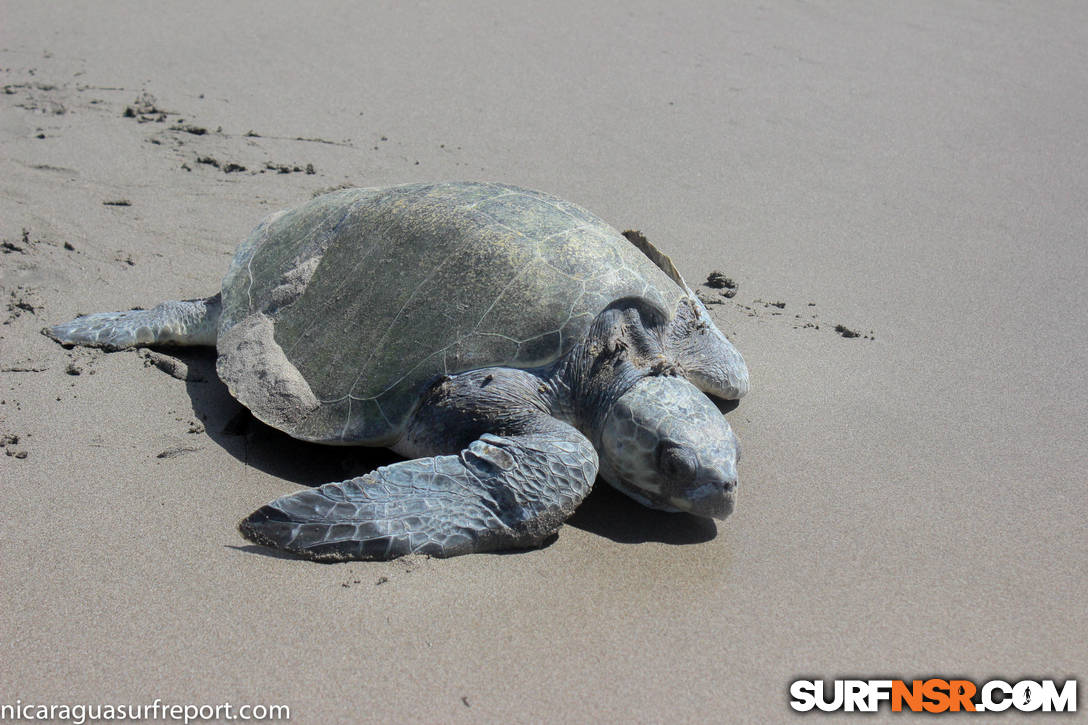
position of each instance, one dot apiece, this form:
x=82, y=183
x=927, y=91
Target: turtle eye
x=676, y=462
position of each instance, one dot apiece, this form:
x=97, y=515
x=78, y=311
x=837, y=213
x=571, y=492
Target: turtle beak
x=718, y=502
x=713, y=494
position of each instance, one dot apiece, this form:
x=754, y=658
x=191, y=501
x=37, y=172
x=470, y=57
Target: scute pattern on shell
x=374, y=292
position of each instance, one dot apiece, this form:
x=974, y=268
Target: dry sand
x=911, y=504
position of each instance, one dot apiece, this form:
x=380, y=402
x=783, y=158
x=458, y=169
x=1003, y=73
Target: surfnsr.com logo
x=933, y=695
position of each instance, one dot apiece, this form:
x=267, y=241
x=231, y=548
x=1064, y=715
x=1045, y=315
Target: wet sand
x=911, y=498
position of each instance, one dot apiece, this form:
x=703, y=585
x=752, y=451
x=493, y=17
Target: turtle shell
x=338, y=313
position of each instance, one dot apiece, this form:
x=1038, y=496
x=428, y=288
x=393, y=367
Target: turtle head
x=667, y=446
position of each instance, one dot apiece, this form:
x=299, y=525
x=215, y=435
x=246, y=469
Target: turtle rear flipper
x=502, y=492
x=188, y=322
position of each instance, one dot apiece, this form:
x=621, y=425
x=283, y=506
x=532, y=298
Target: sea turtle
x=510, y=343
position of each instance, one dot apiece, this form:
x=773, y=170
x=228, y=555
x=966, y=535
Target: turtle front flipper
x=705, y=355
x=501, y=492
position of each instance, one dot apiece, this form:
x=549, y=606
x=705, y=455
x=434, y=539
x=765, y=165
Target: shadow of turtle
x=230, y=425
x=605, y=512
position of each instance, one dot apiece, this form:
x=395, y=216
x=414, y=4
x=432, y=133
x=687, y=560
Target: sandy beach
x=911, y=498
